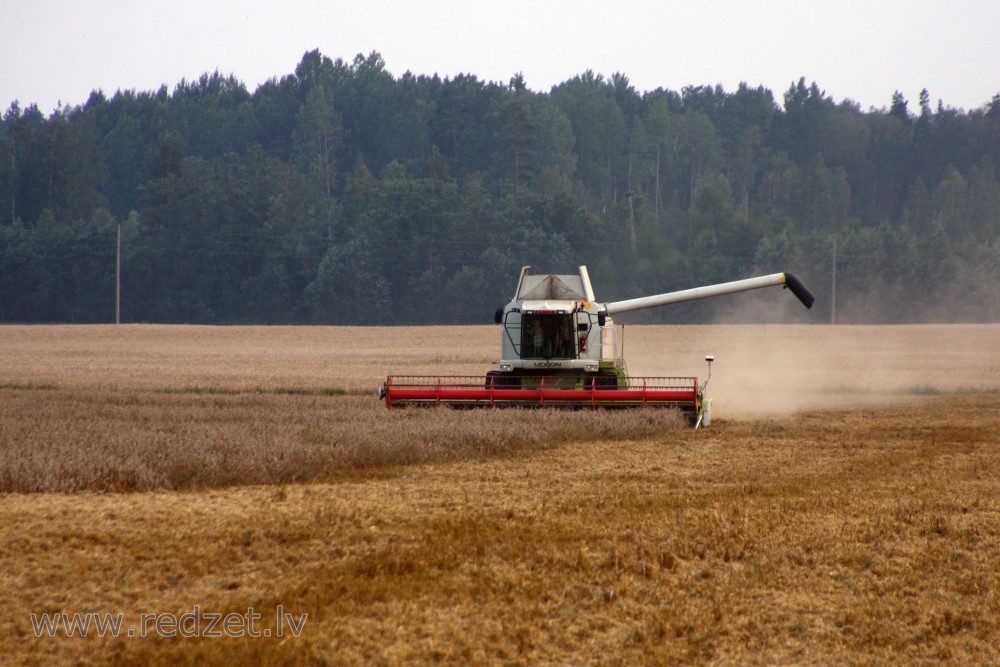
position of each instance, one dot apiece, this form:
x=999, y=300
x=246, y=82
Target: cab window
x=547, y=337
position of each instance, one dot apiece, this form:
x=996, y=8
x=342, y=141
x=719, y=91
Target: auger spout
x=786, y=279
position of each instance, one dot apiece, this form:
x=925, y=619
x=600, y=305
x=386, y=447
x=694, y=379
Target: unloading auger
x=559, y=347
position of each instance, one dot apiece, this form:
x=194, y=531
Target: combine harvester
x=560, y=348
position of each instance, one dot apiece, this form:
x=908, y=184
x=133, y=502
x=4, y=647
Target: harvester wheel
x=499, y=380
x=605, y=381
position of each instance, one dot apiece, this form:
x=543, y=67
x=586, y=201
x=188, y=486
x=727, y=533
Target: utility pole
x=631, y=218
x=118, y=278
x=833, y=292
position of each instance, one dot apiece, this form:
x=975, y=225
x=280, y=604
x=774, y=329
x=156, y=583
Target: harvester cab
x=554, y=327
x=559, y=347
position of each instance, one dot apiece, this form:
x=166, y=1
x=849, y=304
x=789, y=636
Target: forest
x=343, y=194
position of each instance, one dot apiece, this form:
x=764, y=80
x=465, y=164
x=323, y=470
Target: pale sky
x=57, y=51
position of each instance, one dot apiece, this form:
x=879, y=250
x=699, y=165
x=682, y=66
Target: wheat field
x=843, y=508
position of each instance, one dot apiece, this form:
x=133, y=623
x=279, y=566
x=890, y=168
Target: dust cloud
x=775, y=369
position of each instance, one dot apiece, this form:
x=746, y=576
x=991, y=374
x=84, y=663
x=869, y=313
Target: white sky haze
x=57, y=52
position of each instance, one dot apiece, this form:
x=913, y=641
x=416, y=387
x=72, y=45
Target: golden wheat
x=759, y=369
x=864, y=536
x=104, y=440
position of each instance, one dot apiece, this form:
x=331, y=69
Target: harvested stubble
x=107, y=440
x=858, y=537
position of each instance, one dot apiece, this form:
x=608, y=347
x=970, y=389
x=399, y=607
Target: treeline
x=343, y=194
